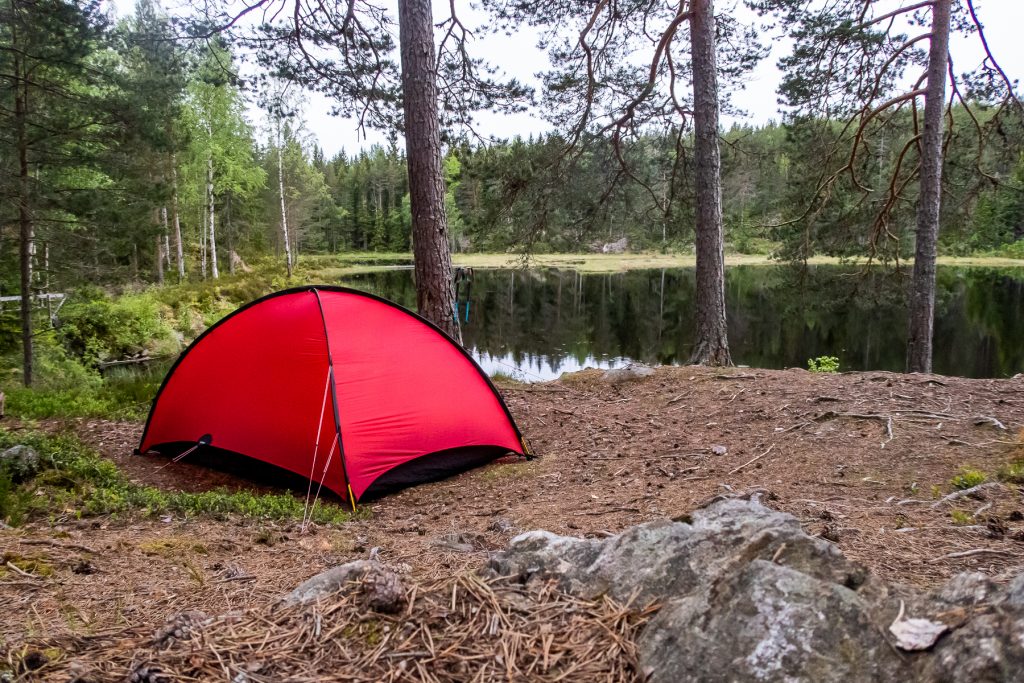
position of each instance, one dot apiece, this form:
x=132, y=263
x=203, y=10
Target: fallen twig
x=956, y=495
x=752, y=460
x=972, y=553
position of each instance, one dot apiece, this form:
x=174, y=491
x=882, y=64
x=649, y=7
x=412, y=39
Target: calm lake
x=536, y=324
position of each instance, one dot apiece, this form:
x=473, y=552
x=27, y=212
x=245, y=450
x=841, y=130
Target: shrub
x=825, y=364
x=968, y=478
x=100, y=329
x=961, y=518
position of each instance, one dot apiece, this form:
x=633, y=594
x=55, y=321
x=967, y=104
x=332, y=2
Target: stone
x=744, y=594
x=378, y=588
x=630, y=371
x=21, y=462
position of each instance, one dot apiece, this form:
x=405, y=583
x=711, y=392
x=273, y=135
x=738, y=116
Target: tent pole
x=334, y=402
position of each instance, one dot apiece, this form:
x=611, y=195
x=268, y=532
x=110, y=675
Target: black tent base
x=256, y=473
x=432, y=467
x=426, y=468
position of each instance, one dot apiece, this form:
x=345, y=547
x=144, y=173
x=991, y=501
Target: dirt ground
x=862, y=459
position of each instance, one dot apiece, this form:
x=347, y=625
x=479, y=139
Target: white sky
x=519, y=56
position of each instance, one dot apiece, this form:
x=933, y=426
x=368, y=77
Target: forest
x=131, y=186
x=662, y=389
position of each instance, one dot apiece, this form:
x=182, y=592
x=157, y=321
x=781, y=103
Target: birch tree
x=345, y=50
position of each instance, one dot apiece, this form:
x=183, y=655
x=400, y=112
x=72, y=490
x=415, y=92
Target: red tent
x=346, y=389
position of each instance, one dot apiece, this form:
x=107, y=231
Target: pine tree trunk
x=435, y=294
x=712, y=345
x=179, y=247
x=922, y=288
x=213, y=233
x=26, y=229
x=280, y=193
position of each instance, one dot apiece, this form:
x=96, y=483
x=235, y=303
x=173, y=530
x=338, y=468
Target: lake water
x=536, y=324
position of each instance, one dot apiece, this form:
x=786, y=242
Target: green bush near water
x=823, y=364
x=76, y=481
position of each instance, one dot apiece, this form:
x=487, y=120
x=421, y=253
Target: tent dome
x=344, y=388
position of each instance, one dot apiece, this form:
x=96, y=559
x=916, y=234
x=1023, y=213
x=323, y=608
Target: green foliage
x=1013, y=472
x=961, y=518
x=968, y=478
x=97, y=328
x=825, y=364
x=76, y=480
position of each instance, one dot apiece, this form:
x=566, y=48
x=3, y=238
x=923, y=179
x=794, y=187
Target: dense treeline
x=140, y=161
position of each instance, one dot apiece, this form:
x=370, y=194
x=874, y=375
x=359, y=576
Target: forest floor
x=866, y=460
x=329, y=268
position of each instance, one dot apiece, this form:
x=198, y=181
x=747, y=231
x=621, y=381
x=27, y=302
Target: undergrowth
x=75, y=481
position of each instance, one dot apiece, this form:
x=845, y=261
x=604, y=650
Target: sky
x=519, y=56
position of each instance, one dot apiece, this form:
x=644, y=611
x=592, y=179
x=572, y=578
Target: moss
x=171, y=546
x=498, y=472
x=37, y=566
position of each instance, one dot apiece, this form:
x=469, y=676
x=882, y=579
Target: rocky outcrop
x=746, y=595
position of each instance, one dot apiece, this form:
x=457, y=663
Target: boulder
x=627, y=372
x=21, y=462
x=746, y=595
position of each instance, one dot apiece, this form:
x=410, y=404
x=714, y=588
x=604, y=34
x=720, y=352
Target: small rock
x=719, y=450
x=916, y=634
x=22, y=462
x=379, y=589
x=179, y=627
x=148, y=673
x=501, y=525
x=459, y=542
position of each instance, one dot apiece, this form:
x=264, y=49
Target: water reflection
x=537, y=324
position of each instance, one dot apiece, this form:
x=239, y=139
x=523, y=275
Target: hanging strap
x=316, y=449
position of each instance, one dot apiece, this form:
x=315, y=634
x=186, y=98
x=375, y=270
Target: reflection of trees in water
x=778, y=316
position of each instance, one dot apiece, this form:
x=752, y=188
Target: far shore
x=355, y=263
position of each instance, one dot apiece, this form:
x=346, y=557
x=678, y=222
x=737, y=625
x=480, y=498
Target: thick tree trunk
x=26, y=229
x=179, y=247
x=280, y=193
x=922, y=288
x=213, y=233
x=435, y=294
x=712, y=345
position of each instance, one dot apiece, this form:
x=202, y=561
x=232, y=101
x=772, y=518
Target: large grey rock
x=746, y=595
x=21, y=462
x=627, y=372
x=378, y=589
x=664, y=558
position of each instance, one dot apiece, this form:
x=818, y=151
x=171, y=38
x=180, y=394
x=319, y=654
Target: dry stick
x=752, y=460
x=966, y=492
x=976, y=551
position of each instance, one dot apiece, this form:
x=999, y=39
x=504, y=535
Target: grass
x=1013, y=473
x=75, y=481
x=333, y=267
x=961, y=518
